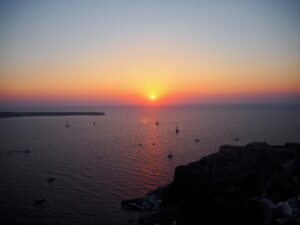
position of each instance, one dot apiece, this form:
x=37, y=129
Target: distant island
x=34, y=114
x=255, y=184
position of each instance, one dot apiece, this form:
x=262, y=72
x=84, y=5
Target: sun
x=152, y=97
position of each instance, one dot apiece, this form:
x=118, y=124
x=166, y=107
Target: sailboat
x=51, y=179
x=177, y=130
x=40, y=200
x=170, y=155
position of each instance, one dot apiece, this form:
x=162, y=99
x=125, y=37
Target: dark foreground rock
x=256, y=184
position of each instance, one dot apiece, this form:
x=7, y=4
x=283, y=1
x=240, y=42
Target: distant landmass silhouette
x=34, y=114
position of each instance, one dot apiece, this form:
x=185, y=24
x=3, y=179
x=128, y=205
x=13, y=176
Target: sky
x=149, y=52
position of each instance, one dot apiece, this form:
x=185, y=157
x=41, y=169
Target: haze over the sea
x=149, y=52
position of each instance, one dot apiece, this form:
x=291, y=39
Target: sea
x=124, y=155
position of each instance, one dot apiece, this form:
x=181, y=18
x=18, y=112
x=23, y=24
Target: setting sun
x=152, y=97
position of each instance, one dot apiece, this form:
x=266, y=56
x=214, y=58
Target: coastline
x=39, y=114
x=255, y=184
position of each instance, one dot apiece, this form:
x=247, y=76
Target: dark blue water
x=123, y=156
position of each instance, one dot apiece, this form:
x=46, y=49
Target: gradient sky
x=122, y=52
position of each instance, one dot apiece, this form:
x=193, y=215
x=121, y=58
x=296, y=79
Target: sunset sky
x=149, y=52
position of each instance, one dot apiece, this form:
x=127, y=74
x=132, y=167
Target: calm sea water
x=123, y=156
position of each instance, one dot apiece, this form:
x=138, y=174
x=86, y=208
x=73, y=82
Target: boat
x=51, y=179
x=177, y=130
x=170, y=155
x=39, y=201
x=26, y=151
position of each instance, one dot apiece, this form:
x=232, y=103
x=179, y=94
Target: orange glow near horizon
x=138, y=99
x=147, y=77
x=143, y=75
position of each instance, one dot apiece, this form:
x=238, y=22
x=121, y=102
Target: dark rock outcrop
x=256, y=184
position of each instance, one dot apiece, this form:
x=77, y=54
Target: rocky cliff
x=239, y=185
